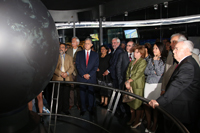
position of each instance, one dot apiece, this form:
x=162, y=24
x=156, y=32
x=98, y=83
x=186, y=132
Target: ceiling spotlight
x=104, y=19
x=126, y=13
x=165, y=4
x=156, y=7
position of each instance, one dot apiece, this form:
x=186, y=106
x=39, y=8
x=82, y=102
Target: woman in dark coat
x=104, y=59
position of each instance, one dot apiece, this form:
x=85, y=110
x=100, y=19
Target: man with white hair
x=182, y=96
x=72, y=52
x=171, y=62
x=113, y=61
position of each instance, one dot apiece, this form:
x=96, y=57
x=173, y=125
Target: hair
x=64, y=44
x=105, y=48
x=188, y=44
x=162, y=50
x=149, y=48
x=141, y=49
x=118, y=40
x=76, y=39
x=181, y=37
x=88, y=39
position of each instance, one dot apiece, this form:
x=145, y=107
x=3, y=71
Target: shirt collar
x=183, y=59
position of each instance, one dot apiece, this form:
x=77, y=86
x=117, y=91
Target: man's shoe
x=67, y=113
x=82, y=113
x=91, y=112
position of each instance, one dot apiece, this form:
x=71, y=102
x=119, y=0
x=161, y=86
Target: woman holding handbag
x=136, y=80
x=104, y=59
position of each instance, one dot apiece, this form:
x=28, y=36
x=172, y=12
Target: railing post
x=111, y=100
x=116, y=102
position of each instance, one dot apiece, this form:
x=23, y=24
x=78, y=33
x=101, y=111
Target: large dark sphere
x=29, y=49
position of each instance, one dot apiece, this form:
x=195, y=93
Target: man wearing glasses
x=171, y=62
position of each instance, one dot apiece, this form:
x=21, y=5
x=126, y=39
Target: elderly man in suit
x=113, y=61
x=87, y=62
x=122, y=64
x=171, y=62
x=72, y=52
x=182, y=96
x=63, y=72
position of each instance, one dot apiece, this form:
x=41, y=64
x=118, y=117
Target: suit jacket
x=169, y=68
x=91, y=69
x=113, y=62
x=70, y=52
x=182, y=96
x=68, y=65
x=121, y=67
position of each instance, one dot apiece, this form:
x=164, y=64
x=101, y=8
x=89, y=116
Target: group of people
x=169, y=79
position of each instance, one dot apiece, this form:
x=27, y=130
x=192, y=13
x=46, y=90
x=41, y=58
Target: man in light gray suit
x=171, y=62
x=72, y=52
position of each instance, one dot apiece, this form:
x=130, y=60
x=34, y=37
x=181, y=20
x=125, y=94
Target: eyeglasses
x=174, y=42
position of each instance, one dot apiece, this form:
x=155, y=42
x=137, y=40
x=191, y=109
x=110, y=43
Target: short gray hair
x=118, y=40
x=181, y=37
x=88, y=39
x=188, y=44
x=76, y=39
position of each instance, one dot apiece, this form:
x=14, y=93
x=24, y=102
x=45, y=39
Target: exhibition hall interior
x=103, y=66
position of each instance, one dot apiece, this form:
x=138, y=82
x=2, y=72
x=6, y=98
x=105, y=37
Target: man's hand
x=86, y=76
x=153, y=103
x=105, y=73
x=98, y=70
x=64, y=75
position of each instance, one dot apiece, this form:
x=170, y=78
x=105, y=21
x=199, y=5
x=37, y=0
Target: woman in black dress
x=104, y=59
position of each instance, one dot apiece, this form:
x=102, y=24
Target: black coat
x=182, y=96
x=113, y=62
x=121, y=67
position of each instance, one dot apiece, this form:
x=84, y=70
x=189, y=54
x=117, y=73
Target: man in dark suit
x=182, y=96
x=87, y=63
x=113, y=61
x=122, y=64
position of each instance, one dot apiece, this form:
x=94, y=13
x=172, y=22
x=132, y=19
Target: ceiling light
x=156, y=7
x=126, y=13
x=165, y=4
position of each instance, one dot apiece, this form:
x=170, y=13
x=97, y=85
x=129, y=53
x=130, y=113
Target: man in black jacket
x=182, y=96
x=113, y=61
x=122, y=64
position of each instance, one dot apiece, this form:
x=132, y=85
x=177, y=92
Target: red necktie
x=130, y=59
x=176, y=66
x=87, y=58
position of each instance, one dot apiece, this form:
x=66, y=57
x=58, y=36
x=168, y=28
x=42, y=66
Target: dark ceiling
x=72, y=4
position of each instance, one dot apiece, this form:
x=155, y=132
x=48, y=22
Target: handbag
x=104, y=82
x=127, y=98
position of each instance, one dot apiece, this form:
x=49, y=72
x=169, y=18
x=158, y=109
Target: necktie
x=62, y=59
x=130, y=58
x=176, y=66
x=87, y=58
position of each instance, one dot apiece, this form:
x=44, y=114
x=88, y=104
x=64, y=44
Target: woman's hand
x=127, y=85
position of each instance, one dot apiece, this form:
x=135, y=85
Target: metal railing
x=117, y=92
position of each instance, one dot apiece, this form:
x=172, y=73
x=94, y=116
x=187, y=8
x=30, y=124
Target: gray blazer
x=154, y=71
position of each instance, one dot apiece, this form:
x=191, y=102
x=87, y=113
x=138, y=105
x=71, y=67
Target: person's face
x=115, y=44
x=156, y=50
x=123, y=46
x=129, y=47
x=74, y=43
x=179, y=51
x=103, y=50
x=137, y=54
x=62, y=49
x=167, y=45
x=164, y=41
x=88, y=45
x=174, y=41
